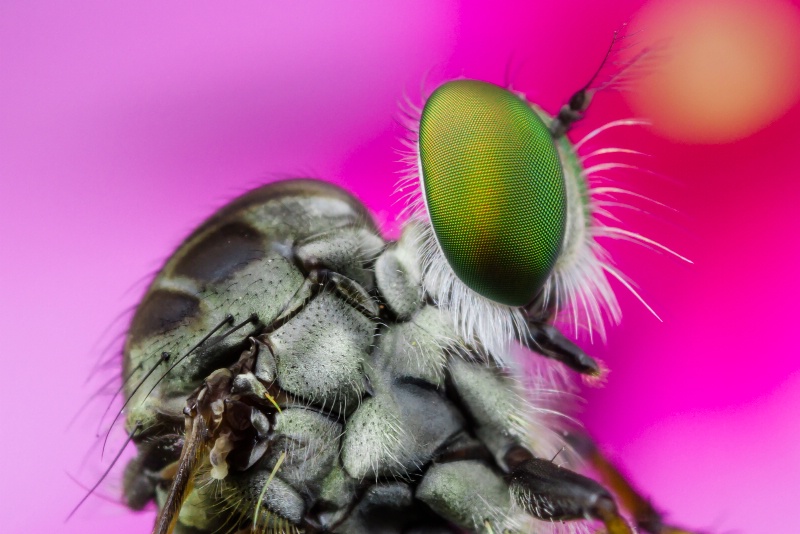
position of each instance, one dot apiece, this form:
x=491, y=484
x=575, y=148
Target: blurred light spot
x=722, y=69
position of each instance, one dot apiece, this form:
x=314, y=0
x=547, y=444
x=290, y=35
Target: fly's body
x=289, y=370
x=345, y=374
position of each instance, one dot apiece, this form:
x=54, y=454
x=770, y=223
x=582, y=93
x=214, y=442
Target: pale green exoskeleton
x=289, y=370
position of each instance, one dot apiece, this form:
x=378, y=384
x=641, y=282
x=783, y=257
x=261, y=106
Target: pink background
x=123, y=124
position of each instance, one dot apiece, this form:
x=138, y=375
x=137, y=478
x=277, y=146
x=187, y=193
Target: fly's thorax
x=485, y=154
x=495, y=209
x=249, y=260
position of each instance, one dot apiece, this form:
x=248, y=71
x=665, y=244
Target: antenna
x=574, y=109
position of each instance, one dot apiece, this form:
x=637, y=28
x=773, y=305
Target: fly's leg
x=503, y=424
x=548, y=341
x=347, y=251
x=553, y=493
x=646, y=516
x=474, y=496
x=343, y=260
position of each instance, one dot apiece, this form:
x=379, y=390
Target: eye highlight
x=494, y=189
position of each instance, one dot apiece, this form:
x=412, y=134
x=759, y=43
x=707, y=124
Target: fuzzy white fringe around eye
x=579, y=283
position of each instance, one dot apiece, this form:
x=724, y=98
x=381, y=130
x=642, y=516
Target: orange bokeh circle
x=720, y=70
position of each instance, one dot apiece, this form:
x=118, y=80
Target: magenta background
x=123, y=124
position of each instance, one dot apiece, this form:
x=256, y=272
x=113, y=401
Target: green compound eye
x=494, y=189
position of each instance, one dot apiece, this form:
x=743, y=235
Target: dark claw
x=553, y=493
x=548, y=341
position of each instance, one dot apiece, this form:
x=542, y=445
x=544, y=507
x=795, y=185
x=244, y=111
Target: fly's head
x=494, y=189
x=506, y=220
